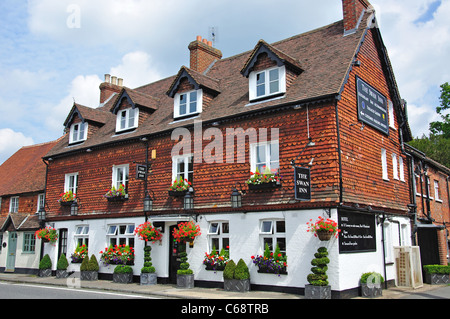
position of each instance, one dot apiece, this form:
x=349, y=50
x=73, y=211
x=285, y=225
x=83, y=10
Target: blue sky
x=53, y=52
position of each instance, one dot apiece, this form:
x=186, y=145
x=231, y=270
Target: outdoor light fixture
x=41, y=214
x=188, y=201
x=236, y=198
x=148, y=203
x=74, y=208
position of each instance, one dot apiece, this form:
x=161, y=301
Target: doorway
x=11, y=258
x=175, y=248
x=428, y=243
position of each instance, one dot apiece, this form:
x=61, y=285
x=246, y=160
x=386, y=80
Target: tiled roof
x=24, y=171
x=19, y=221
x=325, y=56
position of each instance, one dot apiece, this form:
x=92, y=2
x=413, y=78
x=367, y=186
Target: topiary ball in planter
x=45, y=266
x=123, y=274
x=371, y=285
x=148, y=275
x=319, y=288
x=61, y=267
x=185, y=276
x=89, y=269
x=236, y=277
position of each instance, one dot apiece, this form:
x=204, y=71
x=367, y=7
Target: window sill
x=266, y=98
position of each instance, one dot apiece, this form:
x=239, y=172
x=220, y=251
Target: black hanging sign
x=358, y=232
x=302, y=178
x=141, y=172
x=372, y=107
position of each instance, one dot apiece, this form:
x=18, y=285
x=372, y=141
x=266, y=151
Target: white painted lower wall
x=245, y=241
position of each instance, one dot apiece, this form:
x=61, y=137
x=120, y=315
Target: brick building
x=324, y=102
x=22, y=193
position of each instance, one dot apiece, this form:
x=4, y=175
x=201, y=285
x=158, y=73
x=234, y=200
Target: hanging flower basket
x=47, y=234
x=186, y=232
x=324, y=229
x=148, y=233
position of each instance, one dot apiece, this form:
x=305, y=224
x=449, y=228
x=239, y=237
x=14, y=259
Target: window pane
x=226, y=243
x=112, y=230
x=215, y=243
x=75, y=133
x=214, y=228
x=281, y=242
x=268, y=241
x=123, y=119
x=131, y=115
x=274, y=156
x=78, y=231
x=266, y=227
x=81, y=135
x=281, y=226
x=122, y=229
x=225, y=228
x=122, y=241
x=261, y=84
x=261, y=154
x=130, y=229
x=183, y=104
x=193, y=102
x=274, y=82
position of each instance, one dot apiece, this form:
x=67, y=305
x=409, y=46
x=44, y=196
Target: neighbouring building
x=22, y=194
x=430, y=198
x=321, y=110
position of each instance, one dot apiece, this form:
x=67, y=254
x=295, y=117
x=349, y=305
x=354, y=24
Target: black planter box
x=123, y=278
x=116, y=199
x=267, y=270
x=177, y=193
x=271, y=185
x=61, y=274
x=371, y=290
x=317, y=292
x=66, y=204
x=437, y=279
x=217, y=268
x=236, y=285
x=89, y=275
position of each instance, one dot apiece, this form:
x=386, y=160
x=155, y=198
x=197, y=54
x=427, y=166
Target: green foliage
x=184, y=266
x=228, y=272
x=319, y=276
x=442, y=127
x=267, y=251
x=372, y=276
x=148, y=266
x=93, y=264
x=241, y=272
x=437, y=269
x=62, y=263
x=123, y=269
x=45, y=263
x=85, y=264
x=436, y=147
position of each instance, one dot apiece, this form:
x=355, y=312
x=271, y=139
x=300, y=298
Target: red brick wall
x=202, y=55
x=28, y=204
x=352, y=12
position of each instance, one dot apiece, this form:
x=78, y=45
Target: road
x=28, y=291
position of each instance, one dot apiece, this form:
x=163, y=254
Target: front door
x=11, y=258
x=174, y=261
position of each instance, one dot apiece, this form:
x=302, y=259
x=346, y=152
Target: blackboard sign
x=372, y=107
x=358, y=232
x=302, y=179
x=141, y=172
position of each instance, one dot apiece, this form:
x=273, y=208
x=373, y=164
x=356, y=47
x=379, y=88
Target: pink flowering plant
x=269, y=176
x=116, y=192
x=47, y=234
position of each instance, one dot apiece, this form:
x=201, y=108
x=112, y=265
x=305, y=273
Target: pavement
x=172, y=292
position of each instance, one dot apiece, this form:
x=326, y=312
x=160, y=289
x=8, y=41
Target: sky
x=55, y=52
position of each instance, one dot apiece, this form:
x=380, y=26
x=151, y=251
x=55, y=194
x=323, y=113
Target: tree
x=438, y=127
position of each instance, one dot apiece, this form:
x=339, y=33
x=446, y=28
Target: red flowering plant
x=186, y=232
x=118, y=255
x=180, y=185
x=115, y=193
x=79, y=254
x=323, y=225
x=269, y=176
x=68, y=196
x=48, y=234
x=148, y=233
x=217, y=261
x=271, y=262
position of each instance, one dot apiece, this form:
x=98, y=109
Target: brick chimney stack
x=111, y=85
x=203, y=54
x=352, y=13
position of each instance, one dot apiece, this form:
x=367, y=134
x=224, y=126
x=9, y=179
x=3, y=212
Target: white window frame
x=119, y=234
x=391, y=115
x=394, y=166
x=81, y=235
x=221, y=235
x=78, y=132
x=436, y=191
x=186, y=159
x=177, y=104
x=401, y=169
x=116, y=182
x=389, y=250
x=271, y=164
x=29, y=243
x=253, y=77
x=40, y=201
x=14, y=204
x=272, y=233
x=68, y=185
x=128, y=125
x=384, y=164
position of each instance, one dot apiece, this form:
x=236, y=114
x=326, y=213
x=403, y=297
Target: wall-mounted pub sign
x=372, y=107
x=141, y=172
x=302, y=179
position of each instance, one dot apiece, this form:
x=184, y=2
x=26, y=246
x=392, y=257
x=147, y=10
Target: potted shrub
x=45, y=266
x=123, y=274
x=318, y=287
x=179, y=187
x=269, y=179
x=61, y=267
x=371, y=284
x=89, y=269
x=47, y=234
x=437, y=274
x=116, y=195
x=272, y=263
x=216, y=261
x=236, y=277
x=324, y=229
x=66, y=198
x=79, y=254
x=185, y=276
x=148, y=272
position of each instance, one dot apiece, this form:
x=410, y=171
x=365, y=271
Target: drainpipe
x=339, y=152
x=384, y=250
x=45, y=201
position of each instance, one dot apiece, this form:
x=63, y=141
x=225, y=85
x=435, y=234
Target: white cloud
x=11, y=142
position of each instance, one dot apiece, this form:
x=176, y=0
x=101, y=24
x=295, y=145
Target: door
x=62, y=246
x=174, y=260
x=428, y=243
x=11, y=258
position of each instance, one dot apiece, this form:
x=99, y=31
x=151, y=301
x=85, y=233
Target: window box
x=120, y=198
x=269, y=185
x=66, y=204
x=178, y=193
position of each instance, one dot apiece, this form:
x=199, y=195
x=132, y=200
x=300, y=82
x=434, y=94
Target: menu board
x=358, y=232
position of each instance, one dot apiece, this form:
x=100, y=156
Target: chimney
x=203, y=54
x=353, y=9
x=111, y=85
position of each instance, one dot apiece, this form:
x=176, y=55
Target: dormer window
x=78, y=132
x=127, y=119
x=188, y=103
x=267, y=82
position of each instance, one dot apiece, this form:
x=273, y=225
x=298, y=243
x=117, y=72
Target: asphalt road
x=27, y=291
